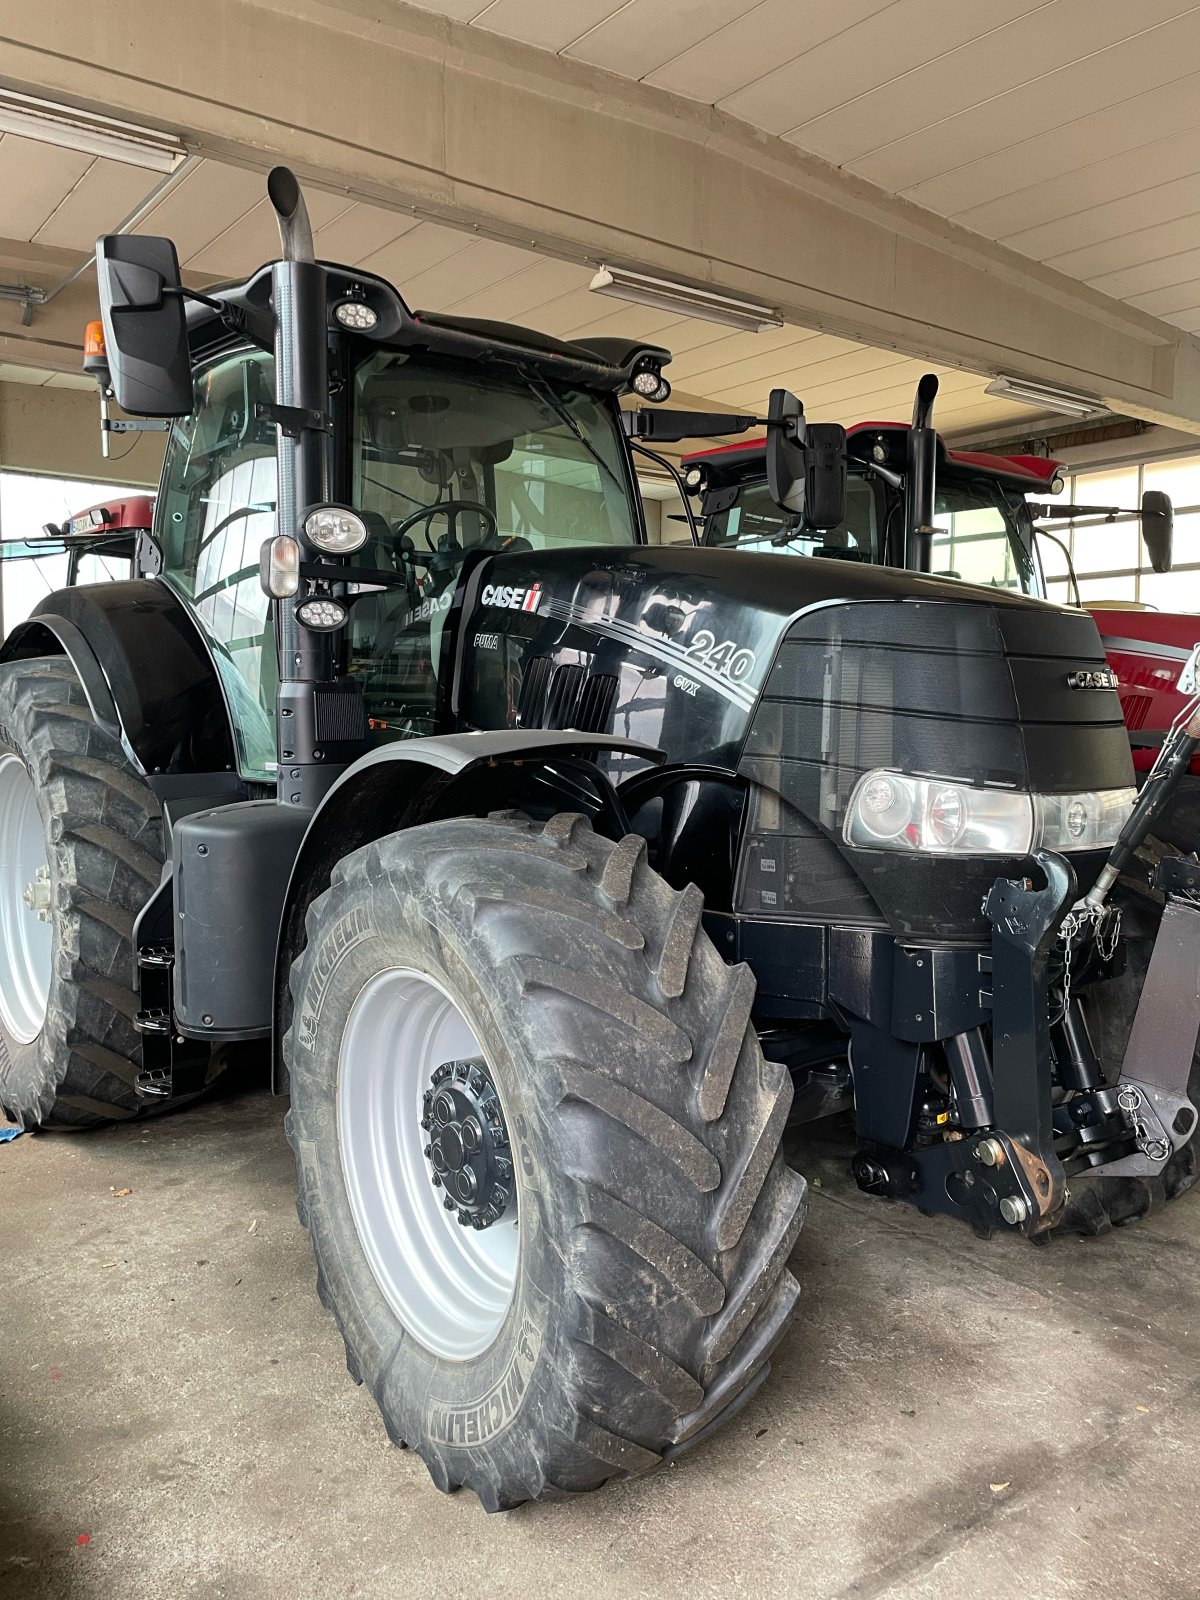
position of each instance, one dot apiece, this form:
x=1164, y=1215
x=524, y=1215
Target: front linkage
x=1002, y=1144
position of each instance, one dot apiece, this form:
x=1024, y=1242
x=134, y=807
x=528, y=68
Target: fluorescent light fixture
x=660, y=293
x=1047, y=396
x=50, y=123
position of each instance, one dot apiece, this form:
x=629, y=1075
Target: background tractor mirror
x=1158, y=528
x=826, y=488
x=787, y=465
x=806, y=463
x=145, y=332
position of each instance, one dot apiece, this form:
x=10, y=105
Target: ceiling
x=223, y=228
x=1068, y=130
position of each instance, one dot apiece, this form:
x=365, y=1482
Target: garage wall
x=57, y=431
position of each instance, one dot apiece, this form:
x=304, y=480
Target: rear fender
x=400, y=786
x=145, y=669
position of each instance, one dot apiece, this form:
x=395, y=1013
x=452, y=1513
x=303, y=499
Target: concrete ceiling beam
x=407, y=109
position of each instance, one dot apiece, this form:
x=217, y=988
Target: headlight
x=335, y=529
x=356, y=315
x=936, y=816
x=891, y=811
x=321, y=616
x=1089, y=821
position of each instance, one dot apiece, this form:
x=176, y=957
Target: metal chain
x=1105, y=933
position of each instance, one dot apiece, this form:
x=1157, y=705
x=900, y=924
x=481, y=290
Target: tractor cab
x=983, y=530
x=989, y=524
x=98, y=545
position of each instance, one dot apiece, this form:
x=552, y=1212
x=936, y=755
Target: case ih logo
x=1093, y=678
x=510, y=599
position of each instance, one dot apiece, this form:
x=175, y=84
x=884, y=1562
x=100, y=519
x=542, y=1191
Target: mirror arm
x=1042, y=508
x=669, y=465
x=257, y=326
x=1044, y=533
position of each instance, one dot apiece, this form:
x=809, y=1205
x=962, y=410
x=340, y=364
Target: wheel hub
x=468, y=1150
x=36, y=894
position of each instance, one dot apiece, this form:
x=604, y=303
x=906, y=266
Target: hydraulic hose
x=1174, y=760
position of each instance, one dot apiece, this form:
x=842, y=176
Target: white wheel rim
x=450, y=1285
x=26, y=943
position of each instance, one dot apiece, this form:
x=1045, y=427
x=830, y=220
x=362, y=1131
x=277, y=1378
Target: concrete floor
x=946, y=1417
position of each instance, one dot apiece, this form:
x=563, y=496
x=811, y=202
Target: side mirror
x=826, y=489
x=787, y=466
x=145, y=331
x=1158, y=528
x=806, y=463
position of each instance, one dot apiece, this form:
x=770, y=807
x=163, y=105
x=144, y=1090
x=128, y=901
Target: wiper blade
x=540, y=387
x=764, y=536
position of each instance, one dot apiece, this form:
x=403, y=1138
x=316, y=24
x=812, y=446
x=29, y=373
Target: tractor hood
x=800, y=676
x=691, y=632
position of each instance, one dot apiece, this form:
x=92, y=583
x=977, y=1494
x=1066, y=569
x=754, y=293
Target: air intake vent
x=565, y=689
x=1136, y=708
x=565, y=697
x=596, y=704
x=339, y=716
x=532, y=705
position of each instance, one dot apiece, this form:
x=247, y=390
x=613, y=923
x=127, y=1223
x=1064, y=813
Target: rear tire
x=654, y=1209
x=71, y=1060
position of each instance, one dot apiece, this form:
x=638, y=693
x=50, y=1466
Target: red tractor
x=987, y=532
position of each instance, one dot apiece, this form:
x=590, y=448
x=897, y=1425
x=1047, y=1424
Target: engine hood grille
x=973, y=692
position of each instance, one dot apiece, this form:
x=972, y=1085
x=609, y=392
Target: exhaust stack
x=921, y=479
x=298, y=299
x=291, y=214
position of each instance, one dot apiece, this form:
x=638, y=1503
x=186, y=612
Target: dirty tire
x=104, y=853
x=1098, y=1204
x=656, y=1212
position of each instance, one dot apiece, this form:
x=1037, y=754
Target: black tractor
x=559, y=868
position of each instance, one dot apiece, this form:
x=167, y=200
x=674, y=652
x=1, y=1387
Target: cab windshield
x=445, y=460
x=749, y=519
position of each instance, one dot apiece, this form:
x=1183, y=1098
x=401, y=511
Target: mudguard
x=145, y=669
x=399, y=786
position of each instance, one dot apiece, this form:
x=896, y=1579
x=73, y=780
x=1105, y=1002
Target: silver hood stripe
x=670, y=655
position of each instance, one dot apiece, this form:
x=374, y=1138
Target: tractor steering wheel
x=453, y=508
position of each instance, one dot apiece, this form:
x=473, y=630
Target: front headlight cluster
x=934, y=816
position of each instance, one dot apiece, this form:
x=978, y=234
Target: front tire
x=654, y=1213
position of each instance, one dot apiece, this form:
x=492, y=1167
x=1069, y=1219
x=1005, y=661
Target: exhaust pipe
x=921, y=479
x=295, y=230
x=298, y=299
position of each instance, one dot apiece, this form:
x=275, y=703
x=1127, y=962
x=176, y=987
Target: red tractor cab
x=988, y=531
x=105, y=541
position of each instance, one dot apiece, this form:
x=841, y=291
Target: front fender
x=400, y=786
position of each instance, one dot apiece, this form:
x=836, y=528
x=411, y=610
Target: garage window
x=1110, y=558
